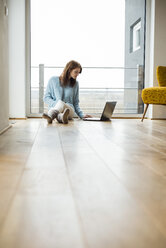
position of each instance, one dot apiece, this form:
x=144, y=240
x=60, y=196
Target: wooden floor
x=83, y=185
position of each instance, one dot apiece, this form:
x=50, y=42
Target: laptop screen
x=108, y=110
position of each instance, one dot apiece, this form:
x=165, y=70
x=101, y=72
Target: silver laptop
x=107, y=113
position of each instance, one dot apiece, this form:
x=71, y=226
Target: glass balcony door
x=97, y=34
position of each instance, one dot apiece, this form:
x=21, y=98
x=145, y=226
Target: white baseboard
x=5, y=129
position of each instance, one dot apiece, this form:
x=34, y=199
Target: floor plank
x=44, y=206
x=15, y=146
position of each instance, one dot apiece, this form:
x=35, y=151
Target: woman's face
x=74, y=73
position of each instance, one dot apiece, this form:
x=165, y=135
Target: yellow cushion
x=161, y=75
x=154, y=95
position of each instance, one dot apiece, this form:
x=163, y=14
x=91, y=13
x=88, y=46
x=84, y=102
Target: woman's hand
x=87, y=116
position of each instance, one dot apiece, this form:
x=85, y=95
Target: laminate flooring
x=83, y=185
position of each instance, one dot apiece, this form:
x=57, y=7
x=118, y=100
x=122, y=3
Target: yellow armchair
x=156, y=95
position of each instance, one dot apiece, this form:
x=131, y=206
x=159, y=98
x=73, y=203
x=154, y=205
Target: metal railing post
x=140, y=80
x=41, y=88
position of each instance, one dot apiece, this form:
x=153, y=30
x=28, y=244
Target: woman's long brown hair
x=65, y=76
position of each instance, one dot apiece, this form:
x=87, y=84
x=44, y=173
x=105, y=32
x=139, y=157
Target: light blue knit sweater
x=70, y=95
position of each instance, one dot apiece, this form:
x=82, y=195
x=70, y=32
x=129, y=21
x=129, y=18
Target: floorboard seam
x=72, y=192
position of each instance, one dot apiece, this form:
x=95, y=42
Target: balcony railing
x=98, y=85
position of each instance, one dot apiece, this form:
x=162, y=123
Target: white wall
x=149, y=48
x=4, y=95
x=155, y=49
x=159, y=48
x=17, y=58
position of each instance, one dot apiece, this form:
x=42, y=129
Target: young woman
x=62, y=95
